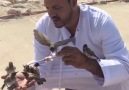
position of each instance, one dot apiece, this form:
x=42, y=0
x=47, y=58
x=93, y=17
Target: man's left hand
x=73, y=56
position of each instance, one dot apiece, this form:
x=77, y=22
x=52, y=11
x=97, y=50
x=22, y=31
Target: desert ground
x=16, y=35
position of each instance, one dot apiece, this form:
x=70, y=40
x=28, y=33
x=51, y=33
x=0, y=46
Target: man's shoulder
x=92, y=10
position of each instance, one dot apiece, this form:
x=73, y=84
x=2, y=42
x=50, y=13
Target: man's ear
x=73, y=3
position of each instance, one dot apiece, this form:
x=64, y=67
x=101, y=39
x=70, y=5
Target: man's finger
x=4, y=76
x=68, y=48
x=63, y=53
x=68, y=62
x=20, y=76
x=31, y=83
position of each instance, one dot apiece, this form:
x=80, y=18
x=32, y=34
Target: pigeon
x=9, y=81
x=90, y=54
x=43, y=39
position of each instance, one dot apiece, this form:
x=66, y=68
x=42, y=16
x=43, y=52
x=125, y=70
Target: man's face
x=59, y=11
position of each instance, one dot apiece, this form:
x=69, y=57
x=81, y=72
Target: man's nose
x=51, y=12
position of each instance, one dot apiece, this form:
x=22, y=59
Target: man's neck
x=72, y=25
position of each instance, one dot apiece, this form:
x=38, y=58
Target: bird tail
x=97, y=57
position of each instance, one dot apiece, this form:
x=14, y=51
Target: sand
x=16, y=35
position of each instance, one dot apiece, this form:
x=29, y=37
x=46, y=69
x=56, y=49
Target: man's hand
x=22, y=82
x=73, y=56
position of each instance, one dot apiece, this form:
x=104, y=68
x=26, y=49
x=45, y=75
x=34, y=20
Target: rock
x=18, y=6
x=126, y=0
x=28, y=11
x=22, y=1
x=12, y=1
x=13, y=11
x=5, y=3
x=103, y=2
x=34, y=1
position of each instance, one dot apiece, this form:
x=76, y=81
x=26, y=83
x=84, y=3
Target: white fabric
x=96, y=29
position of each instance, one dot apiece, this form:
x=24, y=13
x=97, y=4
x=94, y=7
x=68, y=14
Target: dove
x=9, y=81
x=87, y=51
x=43, y=39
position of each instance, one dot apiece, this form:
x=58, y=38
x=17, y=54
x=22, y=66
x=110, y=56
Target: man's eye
x=57, y=8
x=47, y=8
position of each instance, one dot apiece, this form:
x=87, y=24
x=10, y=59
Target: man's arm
x=115, y=66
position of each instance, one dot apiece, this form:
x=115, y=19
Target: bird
x=43, y=39
x=31, y=76
x=36, y=69
x=31, y=69
x=26, y=68
x=32, y=73
x=89, y=53
x=9, y=81
x=9, y=69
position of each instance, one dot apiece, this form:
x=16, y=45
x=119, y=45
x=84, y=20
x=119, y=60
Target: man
x=91, y=26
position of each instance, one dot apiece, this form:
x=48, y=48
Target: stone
x=34, y=1
x=5, y=3
x=22, y=1
x=18, y=6
x=13, y=11
x=12, y=1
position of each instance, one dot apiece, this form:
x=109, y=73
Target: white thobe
x=96, y=29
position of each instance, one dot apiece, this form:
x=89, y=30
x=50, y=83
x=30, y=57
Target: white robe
x=96, y=29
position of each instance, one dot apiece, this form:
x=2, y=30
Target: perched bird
x=87, y=51
x=10, y=68
x=32, y=76
x=32, y=73
x=9, y=81
x=43, y=39
x=26, y=68
x=31, y=69
x=36, y=69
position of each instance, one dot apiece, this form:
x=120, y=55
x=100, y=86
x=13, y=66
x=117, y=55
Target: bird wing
x=42, y=38
x=64, y=42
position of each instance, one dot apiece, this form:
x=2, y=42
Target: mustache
x=55, y=18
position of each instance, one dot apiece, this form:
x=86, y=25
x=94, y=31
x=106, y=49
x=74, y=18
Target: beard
x=59, y=23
